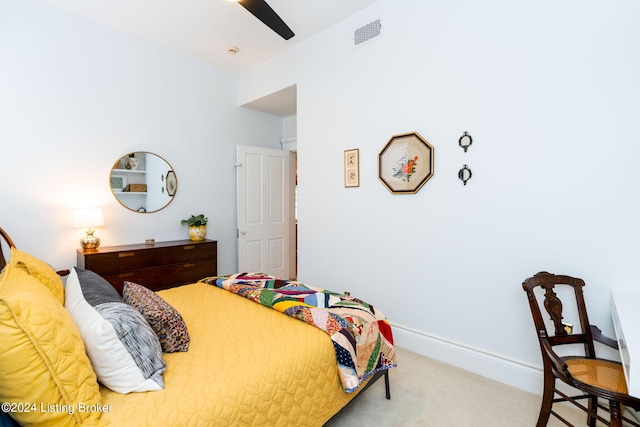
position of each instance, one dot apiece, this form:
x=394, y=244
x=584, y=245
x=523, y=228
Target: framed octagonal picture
x=405, y=164
x=171, y=183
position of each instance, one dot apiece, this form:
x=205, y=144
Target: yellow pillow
x=40, y=270
x=43, y=362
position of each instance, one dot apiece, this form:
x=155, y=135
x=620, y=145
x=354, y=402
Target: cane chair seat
x=599, y=373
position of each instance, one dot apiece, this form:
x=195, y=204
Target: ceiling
x=205, y=29
x=209, y=29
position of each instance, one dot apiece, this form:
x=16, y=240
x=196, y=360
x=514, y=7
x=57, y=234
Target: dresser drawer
x=113, y=262
x=187, y=272
x=188, y=252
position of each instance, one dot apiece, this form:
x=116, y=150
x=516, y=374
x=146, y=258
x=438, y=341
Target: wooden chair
x=4, y=236
x=595, y=378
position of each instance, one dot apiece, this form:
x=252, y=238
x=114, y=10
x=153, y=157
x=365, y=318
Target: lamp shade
x=87, y=218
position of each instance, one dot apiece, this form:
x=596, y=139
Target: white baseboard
x=494, y=366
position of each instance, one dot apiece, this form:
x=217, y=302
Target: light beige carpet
x=425, y=392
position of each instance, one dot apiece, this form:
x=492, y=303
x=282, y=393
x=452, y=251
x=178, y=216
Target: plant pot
x=197, y=232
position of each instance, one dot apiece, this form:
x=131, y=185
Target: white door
x=263, y=211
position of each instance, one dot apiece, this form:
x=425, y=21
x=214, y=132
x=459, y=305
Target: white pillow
x=123, y=349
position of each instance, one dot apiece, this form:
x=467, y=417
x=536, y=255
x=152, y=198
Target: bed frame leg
x=386, y=384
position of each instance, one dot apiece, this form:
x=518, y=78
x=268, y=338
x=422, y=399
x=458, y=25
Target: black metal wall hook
x=464, y=174
x=464, y=144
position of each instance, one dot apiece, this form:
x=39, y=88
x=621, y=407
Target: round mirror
x=143, y=182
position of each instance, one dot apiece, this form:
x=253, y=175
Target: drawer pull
x=189, y=264
x=189, y=247
x=125, y=254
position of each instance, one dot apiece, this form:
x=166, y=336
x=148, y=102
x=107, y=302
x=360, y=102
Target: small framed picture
x=352, y=168
x=118, y=183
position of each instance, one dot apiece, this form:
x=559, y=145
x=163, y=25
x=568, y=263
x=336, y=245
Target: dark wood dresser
x=158, y=266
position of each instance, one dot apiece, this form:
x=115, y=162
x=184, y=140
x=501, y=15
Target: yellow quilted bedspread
x=247, y=365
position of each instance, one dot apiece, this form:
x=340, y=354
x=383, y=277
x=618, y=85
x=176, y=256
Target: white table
x=625, y=310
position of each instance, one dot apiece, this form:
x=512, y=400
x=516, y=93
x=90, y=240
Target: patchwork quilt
x=361, y=335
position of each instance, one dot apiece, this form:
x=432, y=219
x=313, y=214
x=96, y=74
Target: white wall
x=548, y=90
x=75, y=97
x=290, y=127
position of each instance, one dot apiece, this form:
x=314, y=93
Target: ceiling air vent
x=367, y=33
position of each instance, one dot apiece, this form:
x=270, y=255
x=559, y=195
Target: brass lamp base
x=89, y=242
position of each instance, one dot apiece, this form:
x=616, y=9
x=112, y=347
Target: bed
x=250, y=359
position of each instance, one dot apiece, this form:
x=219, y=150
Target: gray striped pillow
x=124, y=351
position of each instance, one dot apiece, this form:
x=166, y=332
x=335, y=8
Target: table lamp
x=88, y=218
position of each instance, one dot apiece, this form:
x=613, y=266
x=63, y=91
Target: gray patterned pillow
x=165, y=320
x=123, y=349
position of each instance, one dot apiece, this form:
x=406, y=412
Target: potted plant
x=197, y=226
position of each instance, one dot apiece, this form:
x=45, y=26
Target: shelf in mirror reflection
x=127, y=171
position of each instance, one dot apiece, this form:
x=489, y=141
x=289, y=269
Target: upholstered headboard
x=4, y=239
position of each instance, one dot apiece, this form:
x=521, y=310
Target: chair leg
x=547, y=398
x=616, y=413
x=593, y=407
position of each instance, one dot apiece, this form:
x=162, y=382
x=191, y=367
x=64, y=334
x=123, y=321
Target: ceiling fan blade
x=261, y=10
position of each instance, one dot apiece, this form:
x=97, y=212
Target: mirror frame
x=121, y=172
